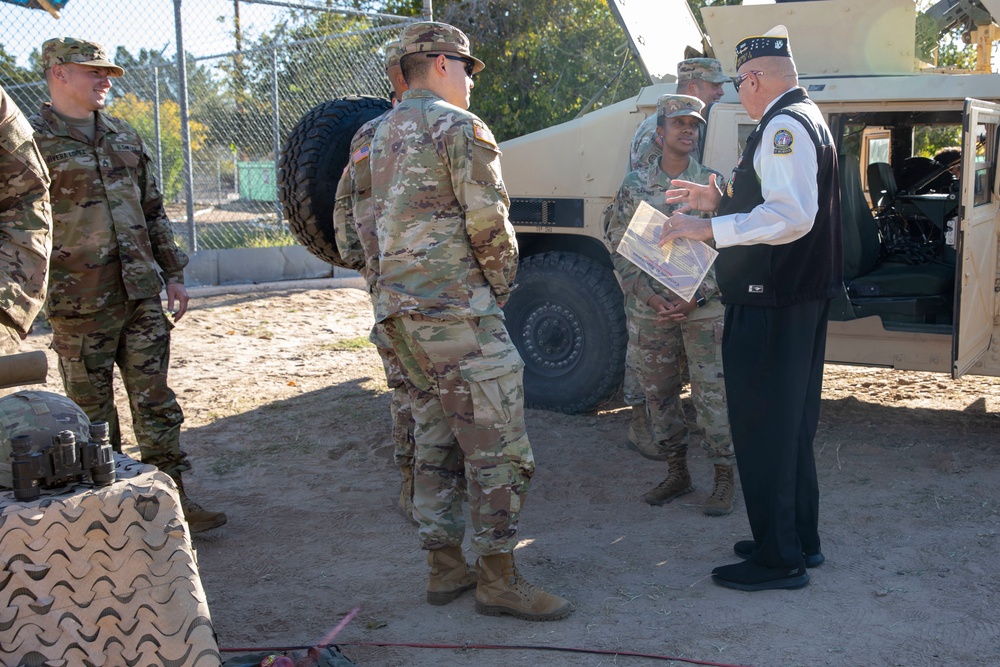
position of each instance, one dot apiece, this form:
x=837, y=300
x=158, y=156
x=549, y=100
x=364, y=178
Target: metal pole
x=185, y=127
x=277, y=119
x=428, y=10
x=156, y=127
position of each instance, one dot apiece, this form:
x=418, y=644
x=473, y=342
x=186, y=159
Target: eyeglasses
x=469, y=65
x=738, y=80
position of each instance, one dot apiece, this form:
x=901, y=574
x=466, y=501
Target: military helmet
x=40, y=415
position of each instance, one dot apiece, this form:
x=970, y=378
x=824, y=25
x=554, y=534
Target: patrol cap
x=71, y=50
x=706, y=69
x=672, y=106
x=432, y=37
x=772, y=43
x=392, y=55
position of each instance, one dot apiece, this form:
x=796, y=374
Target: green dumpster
x=258, y=181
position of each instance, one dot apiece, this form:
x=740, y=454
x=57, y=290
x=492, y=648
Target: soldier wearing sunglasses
x=447, y=259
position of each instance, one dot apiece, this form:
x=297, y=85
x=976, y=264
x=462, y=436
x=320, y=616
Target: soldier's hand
x=659, y=304
x=677, y=310
x=694, y=196
x=176, y=292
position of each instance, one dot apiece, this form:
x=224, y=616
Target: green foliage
x=220, y=236
x=17, y=80
x=545, y=59
x=929, y=139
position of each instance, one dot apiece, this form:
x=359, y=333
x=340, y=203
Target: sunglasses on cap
x=469, y=65
x=738, y=80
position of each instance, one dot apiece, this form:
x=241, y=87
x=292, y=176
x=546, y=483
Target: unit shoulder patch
x=483, y=134
x=783, y=142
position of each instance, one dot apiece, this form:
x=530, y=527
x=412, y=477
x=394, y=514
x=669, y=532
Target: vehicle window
x=985, y=164
x=878, y=149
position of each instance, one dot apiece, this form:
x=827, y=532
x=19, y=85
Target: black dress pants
x=773, y=364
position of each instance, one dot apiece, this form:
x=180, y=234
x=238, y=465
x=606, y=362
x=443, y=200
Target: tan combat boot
x=406, y=495
x=677, y=483
x=502, y=590
x=640, y=438
x=450, y=575
x=720, y=503
x=198, y=518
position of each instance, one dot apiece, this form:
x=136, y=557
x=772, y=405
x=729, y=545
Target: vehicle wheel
x=312, y=161
x=567, y=319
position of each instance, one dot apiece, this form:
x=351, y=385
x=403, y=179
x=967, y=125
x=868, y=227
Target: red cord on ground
x=507, y=647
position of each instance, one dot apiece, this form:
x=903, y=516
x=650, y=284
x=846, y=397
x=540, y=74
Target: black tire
x=566, y=317
x=312, y=161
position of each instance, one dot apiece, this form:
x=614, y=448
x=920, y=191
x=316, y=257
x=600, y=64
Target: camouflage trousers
x=135, y=336
x=465, y=378
x=402, y=415
x=10, y=340
x=658, y=347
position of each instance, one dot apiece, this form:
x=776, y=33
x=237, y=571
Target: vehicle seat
x=895, y=291
x=881, y=183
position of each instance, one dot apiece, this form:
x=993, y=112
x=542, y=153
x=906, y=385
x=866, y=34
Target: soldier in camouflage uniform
x=357, y=243
x=447, y=258
x=660, y=325
x=697, y=77
x=111, y=236
x=25, y=226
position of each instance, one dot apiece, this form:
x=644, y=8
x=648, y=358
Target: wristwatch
x=699, y=299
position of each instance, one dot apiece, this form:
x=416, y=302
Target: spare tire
x=566, y=317
x=311, y=164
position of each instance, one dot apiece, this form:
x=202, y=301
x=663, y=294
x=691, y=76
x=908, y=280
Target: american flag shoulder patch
x=361, y=154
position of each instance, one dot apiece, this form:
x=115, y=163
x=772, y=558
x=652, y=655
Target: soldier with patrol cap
x=357, y=243
x=25, y=226
x=447, y=258
x=697, y=77
x=661, y=326
x=112, y=241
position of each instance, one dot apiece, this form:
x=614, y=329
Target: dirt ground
x=287, y=424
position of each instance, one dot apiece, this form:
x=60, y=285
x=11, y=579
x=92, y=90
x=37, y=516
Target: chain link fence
x=253, y=68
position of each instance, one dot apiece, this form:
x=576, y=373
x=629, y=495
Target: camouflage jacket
x=110, y=232
x=354, y=221
x=446, y=247
x=650, y=185
x=25, y=219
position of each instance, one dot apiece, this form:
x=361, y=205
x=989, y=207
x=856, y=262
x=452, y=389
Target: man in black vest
x=777, y=229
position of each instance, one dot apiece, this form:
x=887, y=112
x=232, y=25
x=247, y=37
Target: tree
x=25, y=87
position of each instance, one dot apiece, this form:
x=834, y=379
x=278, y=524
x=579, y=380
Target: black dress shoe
x=745, y=548
x=749, y=576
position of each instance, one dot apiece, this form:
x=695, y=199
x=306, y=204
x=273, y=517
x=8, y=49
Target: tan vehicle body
x=856, y=59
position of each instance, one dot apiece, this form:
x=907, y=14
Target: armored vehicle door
x=662, y=33
x=976, y=280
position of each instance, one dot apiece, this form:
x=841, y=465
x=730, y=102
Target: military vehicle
x=921, y=261
x=922, y=275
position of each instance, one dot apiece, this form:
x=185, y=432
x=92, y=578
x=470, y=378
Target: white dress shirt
x=788, y=184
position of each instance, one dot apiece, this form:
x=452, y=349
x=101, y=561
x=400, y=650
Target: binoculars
x=61, y=462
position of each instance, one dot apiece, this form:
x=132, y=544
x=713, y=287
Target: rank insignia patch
x=783, y=142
